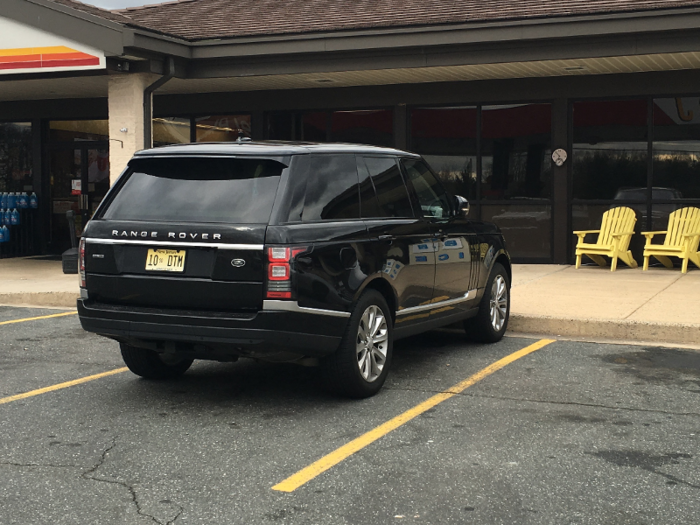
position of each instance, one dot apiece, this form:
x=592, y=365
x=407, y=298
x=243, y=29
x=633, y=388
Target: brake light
x=81, y=262
x=278, y=254
x=279, y=271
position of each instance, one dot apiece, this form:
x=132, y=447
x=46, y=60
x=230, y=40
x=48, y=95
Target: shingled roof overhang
x=561, y=38
x=651, y=39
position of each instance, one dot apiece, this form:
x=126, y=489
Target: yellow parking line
x=38, y=318
x=59, y=386
x=307, y=474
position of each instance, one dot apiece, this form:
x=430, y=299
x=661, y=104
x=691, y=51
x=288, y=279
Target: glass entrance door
x=79, y=181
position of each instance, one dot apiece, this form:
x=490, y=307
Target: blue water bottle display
x=14, y=217
x=11, y=200
x=33, y=201
x=7, y=217
x=22, y=200
x=3, y=200
x=5, y=233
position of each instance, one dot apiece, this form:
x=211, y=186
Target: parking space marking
x=60, y=386
x=38, y=318
x=315, y=469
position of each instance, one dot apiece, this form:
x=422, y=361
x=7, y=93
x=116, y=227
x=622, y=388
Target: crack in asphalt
x=182, y=509
x=547, y=402
x=36, y=465
x=89, y=475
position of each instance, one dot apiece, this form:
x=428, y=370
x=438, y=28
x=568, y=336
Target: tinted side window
x=331, y=189
x=433, y=200
x=392, y=195
x=369, y=205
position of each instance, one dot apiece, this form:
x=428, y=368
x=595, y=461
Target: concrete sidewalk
x=592, y=303
x=657, y=306
x=37, y=281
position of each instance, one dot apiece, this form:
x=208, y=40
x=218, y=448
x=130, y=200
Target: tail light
x=280, y=261
x=81, y=262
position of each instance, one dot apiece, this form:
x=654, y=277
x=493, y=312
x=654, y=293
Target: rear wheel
x=152, y=365
x=491, y=322
x=360, y=365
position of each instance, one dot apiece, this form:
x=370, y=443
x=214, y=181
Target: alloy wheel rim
x=498, y=303
x=372, y=343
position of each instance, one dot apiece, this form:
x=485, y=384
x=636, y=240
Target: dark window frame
x=413, y=192
x=476, y=206
x=415, y=207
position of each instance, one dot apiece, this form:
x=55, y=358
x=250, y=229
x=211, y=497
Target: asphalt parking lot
x=569, y=433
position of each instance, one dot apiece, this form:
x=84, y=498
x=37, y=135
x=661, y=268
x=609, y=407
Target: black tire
x=481, y=328
x=342, y=372
x=149, y=364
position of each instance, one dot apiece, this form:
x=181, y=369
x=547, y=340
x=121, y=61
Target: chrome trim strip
x=175, y=243
x=471, y=294
x=293, y=306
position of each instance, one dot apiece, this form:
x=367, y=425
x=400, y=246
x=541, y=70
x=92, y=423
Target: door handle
x=386, y=238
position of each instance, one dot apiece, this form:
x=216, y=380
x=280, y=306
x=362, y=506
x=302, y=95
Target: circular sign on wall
x=559, y=157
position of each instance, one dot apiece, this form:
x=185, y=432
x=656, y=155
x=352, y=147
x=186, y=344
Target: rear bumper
x=255, y=335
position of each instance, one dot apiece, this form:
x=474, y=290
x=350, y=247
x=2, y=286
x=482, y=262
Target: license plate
x=166, y=260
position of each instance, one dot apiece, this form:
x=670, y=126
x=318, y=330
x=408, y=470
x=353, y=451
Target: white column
x=125, y=101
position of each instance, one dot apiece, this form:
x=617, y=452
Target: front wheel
x=360, y=365
x=491, y=322
x=152, y=365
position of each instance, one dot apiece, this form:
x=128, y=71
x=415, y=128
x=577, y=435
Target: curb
x=41, y=299
x=605, y=329
x=518, y=324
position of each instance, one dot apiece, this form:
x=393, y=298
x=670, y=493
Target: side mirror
x=462, y=206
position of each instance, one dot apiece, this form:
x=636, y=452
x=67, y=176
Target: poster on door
x=98, y=165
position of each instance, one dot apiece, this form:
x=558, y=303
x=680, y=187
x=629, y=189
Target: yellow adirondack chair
x=682, y=239
x=614, y=236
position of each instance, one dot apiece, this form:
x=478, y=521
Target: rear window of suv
x=219, y=190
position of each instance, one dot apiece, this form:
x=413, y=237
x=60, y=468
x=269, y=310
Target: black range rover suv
x=316, y=253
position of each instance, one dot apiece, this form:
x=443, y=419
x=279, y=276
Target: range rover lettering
x=288, y=252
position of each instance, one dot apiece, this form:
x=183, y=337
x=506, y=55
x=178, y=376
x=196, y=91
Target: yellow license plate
x=166, y=260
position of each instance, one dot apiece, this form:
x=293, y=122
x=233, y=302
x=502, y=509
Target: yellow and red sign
x=45, y=57
x=26, y=49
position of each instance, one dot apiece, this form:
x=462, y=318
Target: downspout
x=148, y=102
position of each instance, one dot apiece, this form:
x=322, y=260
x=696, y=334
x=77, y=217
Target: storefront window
x=526, y=228
x=282, y=125
x=314, y=126
x=373, y=127
x=77, y=130
x=222, y=128
x=516, y=157
x=676, y=161
x=171, y=130
x=610, y=149
x=446, y=138
x=16, y=157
